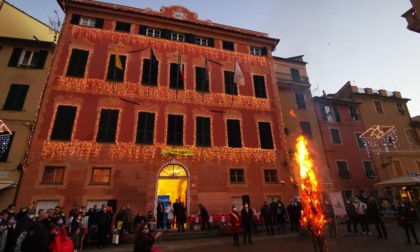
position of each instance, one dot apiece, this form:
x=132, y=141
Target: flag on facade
x=238, y=77
x=153, y=59
x=180, y=68
x=206, y=70
x=118, y=63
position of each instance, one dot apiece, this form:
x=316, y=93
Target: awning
x=5, y=184
x=401, y=181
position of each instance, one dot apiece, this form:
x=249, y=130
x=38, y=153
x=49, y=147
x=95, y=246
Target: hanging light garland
x=98, y=86
x=140, y=41
x=99, y=152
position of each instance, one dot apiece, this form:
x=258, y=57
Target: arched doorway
x=172, y=184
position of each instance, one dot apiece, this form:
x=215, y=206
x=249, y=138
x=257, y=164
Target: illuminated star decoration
x=379, y=138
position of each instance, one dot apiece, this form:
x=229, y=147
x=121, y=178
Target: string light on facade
x=380, y=138
x=140, y=41
x=98, y=86
x=100, y=152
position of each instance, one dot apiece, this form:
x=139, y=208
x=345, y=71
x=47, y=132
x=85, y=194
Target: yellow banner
x=179, y=152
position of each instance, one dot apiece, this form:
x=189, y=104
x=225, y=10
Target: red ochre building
x=105, y=135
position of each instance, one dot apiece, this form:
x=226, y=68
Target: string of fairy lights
x=94, y=151
x=379, y=138
x=140, y=41
x=160, y=93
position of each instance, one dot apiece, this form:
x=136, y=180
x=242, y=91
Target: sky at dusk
x=365, y=42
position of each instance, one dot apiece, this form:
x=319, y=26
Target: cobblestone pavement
x=292, y=242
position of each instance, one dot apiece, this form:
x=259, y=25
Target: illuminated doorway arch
x=173, y=182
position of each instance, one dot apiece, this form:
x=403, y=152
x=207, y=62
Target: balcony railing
x=289, y=77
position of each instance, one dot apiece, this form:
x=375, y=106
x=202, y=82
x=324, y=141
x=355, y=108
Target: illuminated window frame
x=101, y=176
x=53, y=175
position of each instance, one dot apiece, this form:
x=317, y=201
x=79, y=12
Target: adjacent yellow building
x=27, y=46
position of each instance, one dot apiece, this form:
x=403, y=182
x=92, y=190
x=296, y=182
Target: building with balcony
x=145, y=105
x=25, y=58
x=413, y=16
x=299, y=117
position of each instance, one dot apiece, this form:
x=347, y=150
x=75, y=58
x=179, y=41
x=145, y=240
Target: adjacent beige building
x=26, y=46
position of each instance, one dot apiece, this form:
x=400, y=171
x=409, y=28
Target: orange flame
x=312, y=215
x=292, y=113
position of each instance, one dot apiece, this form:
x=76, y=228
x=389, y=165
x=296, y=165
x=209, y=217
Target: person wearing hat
x=235, y=222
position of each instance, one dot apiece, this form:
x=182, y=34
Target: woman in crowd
x=144, y=240
x=235, y=222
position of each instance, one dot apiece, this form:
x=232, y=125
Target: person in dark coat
x=372, y=212
x=406, y=216
x=204, y=217
x=330, y=217
x=266, y=214
x=104, y=227
x=139, y=219
x=281, y=217
x=351, y=217
x=235, y=222
x=247, y=220
x=160, y=212
x=176, y=209
x=292, y=210
x=181, y=217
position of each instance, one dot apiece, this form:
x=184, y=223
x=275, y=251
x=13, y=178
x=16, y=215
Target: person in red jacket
x=235, y=222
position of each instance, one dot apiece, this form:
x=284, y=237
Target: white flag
x=238, y=77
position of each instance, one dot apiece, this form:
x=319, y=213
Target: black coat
x=247, y=217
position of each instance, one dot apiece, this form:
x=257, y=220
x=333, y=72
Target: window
x=343, y=171
x=107, y=130
x=266, y=138
x=153, y=32
x=295, y=74
x=259, y=87
x=397, y=167
x=354, y=114
x=175, y=132
x=176, y=79
x=229, y=46
x=87, y=21
x=53, y=175
x=28, y=58
x=378, y=107
x=335, y=136
x=5, y=145
x=234, y=133
x=300, y=101
x=150, y=72
x=237, y=176
x=330, y=113
x=306, y=129
x=347, y=194
x=16, y=97
x=412, y=136
x=360, y=141
x=114, y=73
x=122, y=26
x=63, y=123
x=202, y=131
x=145, y=128
x=370, y=173
x=270, y=176
x=255, y=51
x=201, y=41
x=230, y=86
x=101, y=175
x=400, y=108
x=77, y=63
x=201, y=80
x=177, y=37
